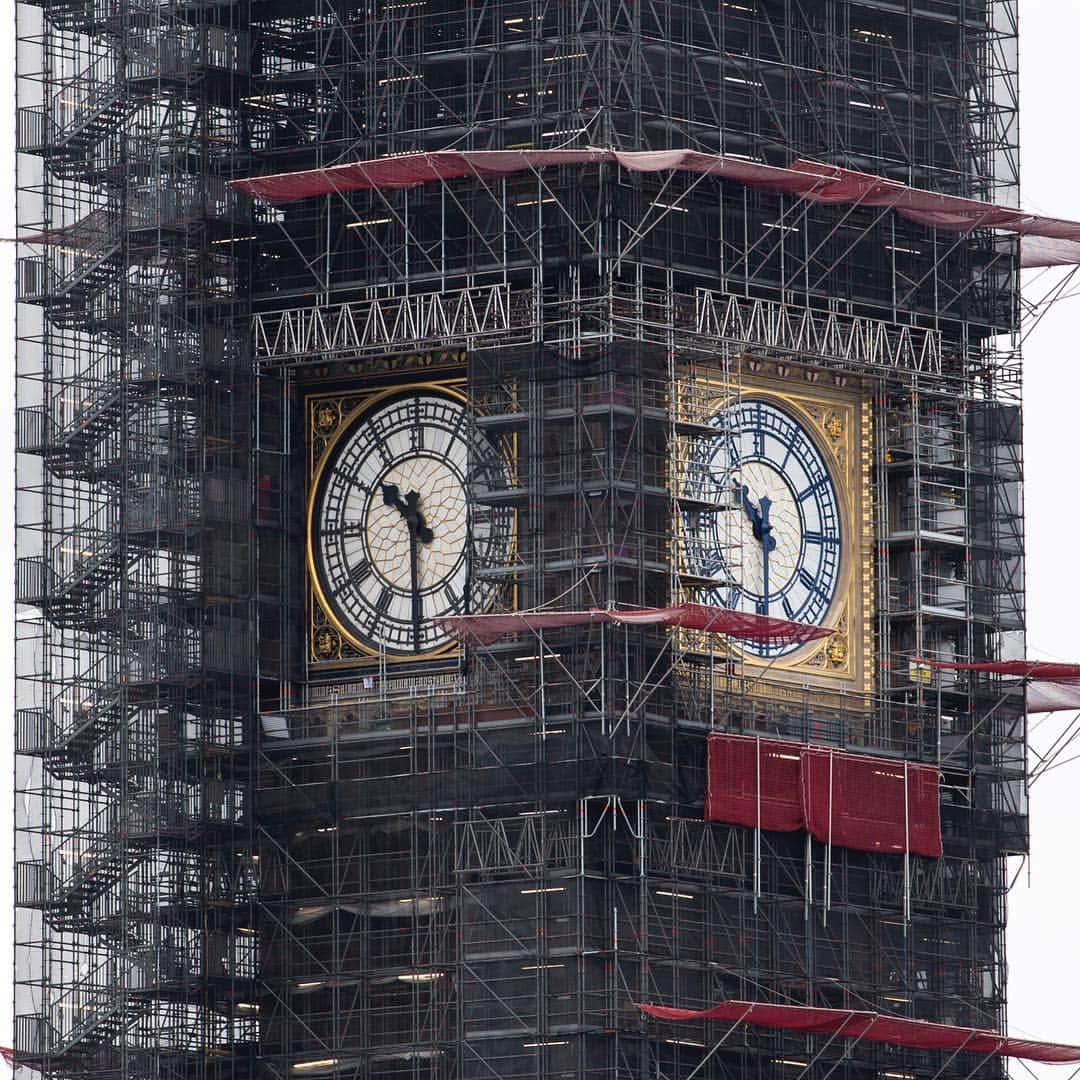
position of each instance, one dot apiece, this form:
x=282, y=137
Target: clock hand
x=751, y=511
x=419, y=532
x=416, y=519
x=768, y=543
x=409, y=508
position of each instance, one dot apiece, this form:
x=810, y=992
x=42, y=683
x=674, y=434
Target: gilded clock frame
x=839, y=418
x=328, y=416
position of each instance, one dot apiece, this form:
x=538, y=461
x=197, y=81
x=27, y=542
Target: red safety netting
x=1053, y=697
x=874, y=1027
x=850, y=800
x=754, y=782
x=1023, y=669
x=871, y=804
x=1052, y=686
x=745, y=626
x=1059, y=239
x=484, y=629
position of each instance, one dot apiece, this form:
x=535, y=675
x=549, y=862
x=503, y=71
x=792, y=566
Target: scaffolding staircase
x=66, y=447
x=82, y=713
x=70, y=583
x=65, y=279
x=102, y=1009
x=83, y=112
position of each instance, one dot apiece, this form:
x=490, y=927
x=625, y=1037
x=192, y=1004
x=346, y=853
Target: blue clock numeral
x=818, y=485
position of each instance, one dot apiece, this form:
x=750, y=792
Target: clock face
x=394, y=537
x=777, y=549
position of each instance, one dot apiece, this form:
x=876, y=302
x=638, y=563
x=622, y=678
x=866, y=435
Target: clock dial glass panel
x=397, y=533
x=776, y=550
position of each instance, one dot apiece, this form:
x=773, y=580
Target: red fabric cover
x=716, y=620
x=484, y=629
x=1025, y=669
x=1054, y=686
x=859, y=802
x=806, y=179
x=1053, y=697
x=873, y=1027
x=739, y=769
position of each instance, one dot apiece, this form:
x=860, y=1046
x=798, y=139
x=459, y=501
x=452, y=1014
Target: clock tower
x=446, y=430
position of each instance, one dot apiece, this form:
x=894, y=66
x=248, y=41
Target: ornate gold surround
x=839, y=416
x=327, y=417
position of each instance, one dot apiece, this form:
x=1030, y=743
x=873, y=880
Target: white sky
x=1044, y=933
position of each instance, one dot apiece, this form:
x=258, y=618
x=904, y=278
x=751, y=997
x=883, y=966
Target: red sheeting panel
x=871, y=804
x=874, y=1027
x=409, y=170
x=1024, y=669
x=818, y=182
x=484, y=629
x=1052, y=687
x=1053, y=697
x=753, y=782
x=745, y=626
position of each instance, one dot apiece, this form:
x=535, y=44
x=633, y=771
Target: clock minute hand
x=409, y=508
x=768, y=543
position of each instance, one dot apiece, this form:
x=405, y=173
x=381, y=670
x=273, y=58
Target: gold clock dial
x=399, y=531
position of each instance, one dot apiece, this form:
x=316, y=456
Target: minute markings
x=348, y=528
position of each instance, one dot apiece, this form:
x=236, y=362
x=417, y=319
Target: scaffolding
x=233, y=861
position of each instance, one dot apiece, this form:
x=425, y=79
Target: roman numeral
x=815, y=487
x=348, y=528
x=382, y=605
x=812, y=585
x=820, y=538
x=418, y=424
x=360, y=572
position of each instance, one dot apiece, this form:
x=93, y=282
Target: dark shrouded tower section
x=275, y=818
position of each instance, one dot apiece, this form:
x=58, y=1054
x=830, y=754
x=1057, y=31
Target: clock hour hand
x=409, y=508
x=768, y=541
x=759, y=517
x=750, y=509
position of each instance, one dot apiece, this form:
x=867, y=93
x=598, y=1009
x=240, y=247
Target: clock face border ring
x=315, y=483
x=840, y=482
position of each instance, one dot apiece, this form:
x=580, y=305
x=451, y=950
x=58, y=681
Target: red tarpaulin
x=754, y=782
x=850, y=800
x=1024, y=669
x=1053, y=697
x=871, y=804
x=1052, y=686
x=873, y=1027
x=1058, y=239
x=763, y=629
x=484, y=629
